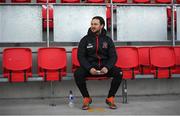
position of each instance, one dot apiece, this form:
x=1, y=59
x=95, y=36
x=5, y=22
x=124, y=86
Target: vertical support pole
x=112, y=21
x=124, y=91
x=47, y=11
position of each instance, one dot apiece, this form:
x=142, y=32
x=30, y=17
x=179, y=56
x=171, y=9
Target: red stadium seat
x=44, y=17
x=108, y=12
x=163, y=1
x=144, y=60
x=2, y=1
x=141, y=1
x=70, y=1
x=44, y=1
x=75, y=65
x=128, y=61
x=119, y=1
x=21, y=1
x=108, y=16
x=169, y=10
x=162, y=61
x=178, y=1
x=17, y=64
x=75, y=62
x=177, y=56
x=95, y=1
x=52, y=63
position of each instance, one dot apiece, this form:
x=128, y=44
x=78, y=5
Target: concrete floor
x=137, y=105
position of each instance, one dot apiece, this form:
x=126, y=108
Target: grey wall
x=96, y=88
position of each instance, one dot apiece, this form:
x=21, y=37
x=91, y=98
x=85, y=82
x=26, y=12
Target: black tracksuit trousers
x=80, y=79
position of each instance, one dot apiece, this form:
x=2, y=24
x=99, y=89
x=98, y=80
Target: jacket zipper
x=97, y=46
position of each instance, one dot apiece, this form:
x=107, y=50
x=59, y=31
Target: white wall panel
x=141, y=23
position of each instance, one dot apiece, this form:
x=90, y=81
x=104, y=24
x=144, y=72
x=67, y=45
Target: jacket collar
x=103, y=32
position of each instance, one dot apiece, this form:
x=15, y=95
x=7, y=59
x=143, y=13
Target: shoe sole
x=87, y=106
x=110, y=106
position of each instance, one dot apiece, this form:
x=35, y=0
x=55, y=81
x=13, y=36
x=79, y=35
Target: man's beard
x=97, y=32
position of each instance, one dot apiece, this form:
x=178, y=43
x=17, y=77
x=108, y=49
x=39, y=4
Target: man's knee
x=79, y=75
x=117, y=74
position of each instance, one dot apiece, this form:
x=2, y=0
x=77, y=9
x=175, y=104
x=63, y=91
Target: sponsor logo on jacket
x=89, y=45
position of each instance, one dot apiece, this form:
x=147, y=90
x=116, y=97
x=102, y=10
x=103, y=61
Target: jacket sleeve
x=82, y=55
x=112, y=55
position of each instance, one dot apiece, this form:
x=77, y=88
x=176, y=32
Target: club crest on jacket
x=105, y=45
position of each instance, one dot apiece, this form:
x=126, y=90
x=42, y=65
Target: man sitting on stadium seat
x=97, y=57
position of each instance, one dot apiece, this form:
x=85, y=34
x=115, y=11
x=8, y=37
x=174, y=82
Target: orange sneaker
x=110, y=103
x=86, y=102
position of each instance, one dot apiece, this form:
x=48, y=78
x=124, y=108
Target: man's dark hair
x=101, y=20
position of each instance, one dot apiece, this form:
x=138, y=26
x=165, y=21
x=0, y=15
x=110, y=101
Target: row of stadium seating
x=160, y=61
x=93, y=1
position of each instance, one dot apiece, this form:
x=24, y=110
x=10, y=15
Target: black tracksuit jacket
x=96, y=51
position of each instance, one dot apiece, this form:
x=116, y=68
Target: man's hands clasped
x=103, y=71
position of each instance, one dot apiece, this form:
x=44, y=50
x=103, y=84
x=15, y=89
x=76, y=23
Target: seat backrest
x=21, y=1
x=52, y=63
x=17, y=64
x=163, y=1
x=44, y=12
x=177, y=58
x=169, y=10
x=144, y=56
x=178, y=1
x=127, y=57
x=119, y=1
x=2, y=1
x=162, y=56
x=44, y=1
x=70, y=1
x=127, y=60
x=141, y=1
x=144, y=60
x=177, y=55
x=52, y=58
x=75, y=62
x=44, y=17
x=17, y=59
x=95, y=1
x=108, y=11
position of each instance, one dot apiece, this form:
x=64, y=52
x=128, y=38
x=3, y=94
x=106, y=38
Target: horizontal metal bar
x=158, y=41
x=70, y=77
x=141, y=4
x=18, y=4
x=176, y=76
x=79, y=4
x=57, y=4
x=35, y=77
x=144, y=76
x=3, y=79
